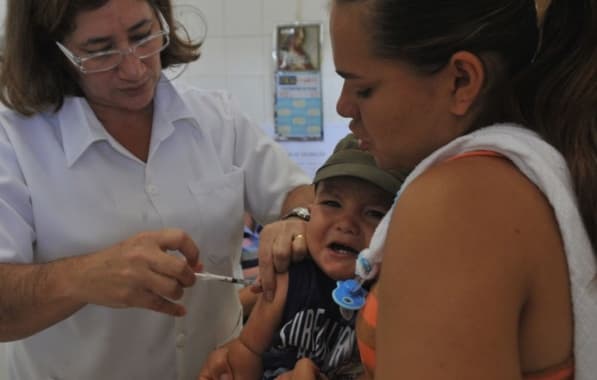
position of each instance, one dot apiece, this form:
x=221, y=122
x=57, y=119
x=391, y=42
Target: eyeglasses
x=107, y=60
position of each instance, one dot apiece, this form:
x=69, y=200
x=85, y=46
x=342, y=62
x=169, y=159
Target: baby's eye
x=377, y=214
x=330, y=203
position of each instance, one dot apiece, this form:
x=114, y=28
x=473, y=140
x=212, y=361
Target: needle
x=232, y=280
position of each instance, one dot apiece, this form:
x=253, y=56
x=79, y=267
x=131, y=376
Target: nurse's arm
x=34, y=297
x=136, y=272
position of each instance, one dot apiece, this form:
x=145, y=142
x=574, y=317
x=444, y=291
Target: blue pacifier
x=349, y=294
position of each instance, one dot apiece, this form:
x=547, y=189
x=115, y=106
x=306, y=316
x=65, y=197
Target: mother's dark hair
x=426, y=33
x=35, y=76
x=549, y=87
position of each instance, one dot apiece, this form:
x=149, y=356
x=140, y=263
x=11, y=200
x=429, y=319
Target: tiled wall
x=238, y=50
x=237, y=56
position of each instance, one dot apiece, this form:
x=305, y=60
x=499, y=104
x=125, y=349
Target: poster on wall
x=298, y=102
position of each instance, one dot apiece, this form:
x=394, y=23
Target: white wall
x=237, y=56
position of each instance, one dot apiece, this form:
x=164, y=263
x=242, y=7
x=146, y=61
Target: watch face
x=302, y=212
x=299, y=212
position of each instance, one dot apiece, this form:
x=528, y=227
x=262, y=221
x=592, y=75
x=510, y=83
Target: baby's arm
x=248, y=299
x=244, y=353
x=257, y=335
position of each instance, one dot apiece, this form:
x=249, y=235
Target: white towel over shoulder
x=545, y=167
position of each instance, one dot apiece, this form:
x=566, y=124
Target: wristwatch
x=298, y=212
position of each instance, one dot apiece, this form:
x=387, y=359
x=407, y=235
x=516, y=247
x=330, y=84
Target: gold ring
x=298, y=236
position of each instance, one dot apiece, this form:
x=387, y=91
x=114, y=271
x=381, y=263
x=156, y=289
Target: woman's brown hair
x=556, y=95
x=34, y=74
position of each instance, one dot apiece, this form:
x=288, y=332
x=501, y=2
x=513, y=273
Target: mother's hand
x=280, y=243
x=139, y=272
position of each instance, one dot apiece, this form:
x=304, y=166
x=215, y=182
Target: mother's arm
x=456, y=274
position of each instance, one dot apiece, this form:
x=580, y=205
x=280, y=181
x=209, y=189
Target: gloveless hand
x=280, y=243
x=138, y=272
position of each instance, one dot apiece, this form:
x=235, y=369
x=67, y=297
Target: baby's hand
x=304, y=369
x=216, y=366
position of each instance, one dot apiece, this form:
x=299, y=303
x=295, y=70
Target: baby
x=351, y=196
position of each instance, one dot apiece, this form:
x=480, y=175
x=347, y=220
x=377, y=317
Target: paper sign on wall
x=298, y=103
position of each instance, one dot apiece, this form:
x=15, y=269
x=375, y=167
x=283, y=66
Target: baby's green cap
x=351, y=161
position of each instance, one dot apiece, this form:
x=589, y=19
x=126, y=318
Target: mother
x=488, y=264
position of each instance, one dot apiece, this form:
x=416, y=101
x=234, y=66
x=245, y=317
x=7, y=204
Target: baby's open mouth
x=343, y=249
